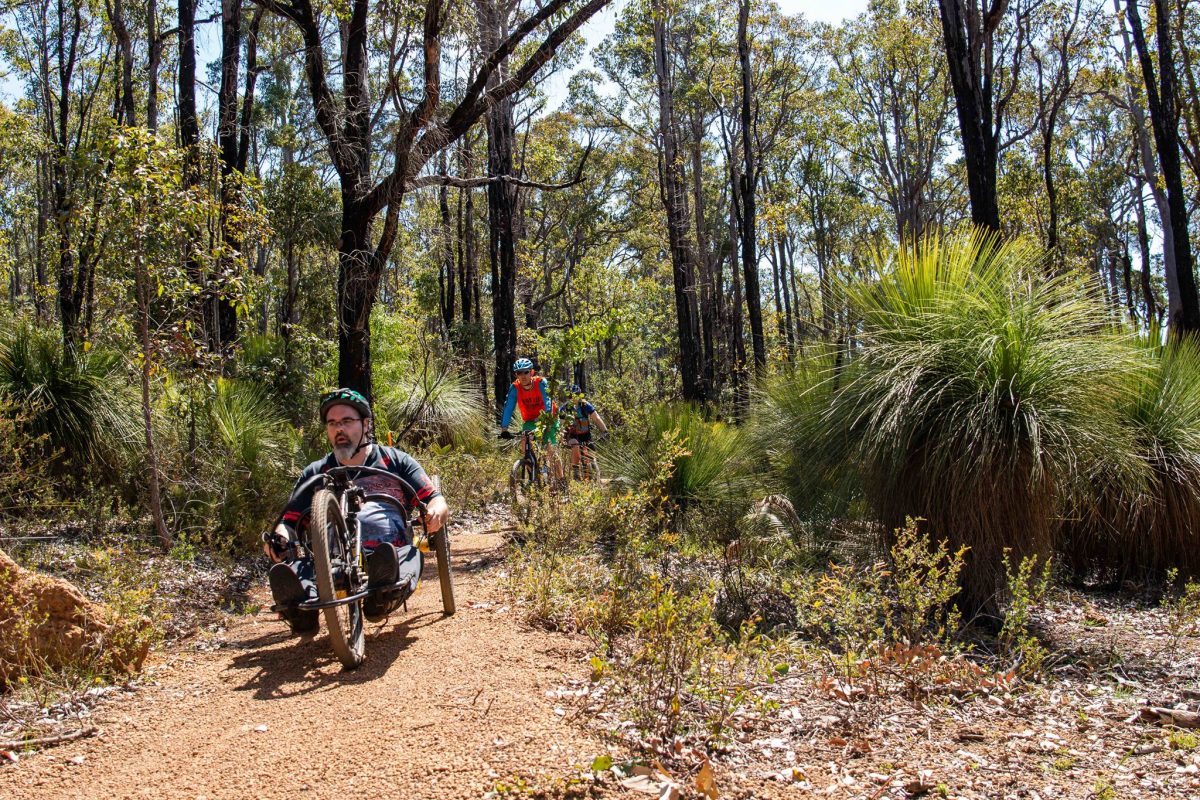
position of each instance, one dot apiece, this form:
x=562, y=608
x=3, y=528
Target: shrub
x=431, y=404
x=242, y=470
x=706, y=463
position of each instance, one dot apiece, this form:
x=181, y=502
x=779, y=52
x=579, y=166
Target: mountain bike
x=333, y=543
x=589, y=465
x=527, y=472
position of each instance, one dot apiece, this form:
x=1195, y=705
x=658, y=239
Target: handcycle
x=332, y=542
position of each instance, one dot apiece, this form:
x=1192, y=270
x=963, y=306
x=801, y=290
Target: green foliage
x=686, y=458
x=77, y=405
x=1122, y=528
x=887, y=617
x=979, y=392
x=22, y=488
x=1028, y=584
x=432, y=404
x=1182, y=607
x=239, y=475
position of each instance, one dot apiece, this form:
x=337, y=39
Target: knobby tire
x=330, y=541
x=441, y=548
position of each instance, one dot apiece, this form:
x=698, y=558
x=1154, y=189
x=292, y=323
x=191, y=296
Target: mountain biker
x=531, y=394
x=582, y=416
x=346, y=415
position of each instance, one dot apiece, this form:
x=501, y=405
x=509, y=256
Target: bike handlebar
x=409, y=491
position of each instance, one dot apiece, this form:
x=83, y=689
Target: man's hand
x=273, y=551
x=436, y=514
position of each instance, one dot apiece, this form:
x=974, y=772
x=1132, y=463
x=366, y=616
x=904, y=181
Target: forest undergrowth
x=745, y=651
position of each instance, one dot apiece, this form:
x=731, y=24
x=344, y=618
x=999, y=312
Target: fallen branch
x=47, y=741
x=1170, y=716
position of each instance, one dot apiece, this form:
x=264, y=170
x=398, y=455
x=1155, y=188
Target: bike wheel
x=516, y=481
x=441, y=547
x=332, y=554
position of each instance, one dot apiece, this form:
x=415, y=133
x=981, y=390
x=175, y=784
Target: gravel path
x=444, y=707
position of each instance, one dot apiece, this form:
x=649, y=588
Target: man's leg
x=292, y=583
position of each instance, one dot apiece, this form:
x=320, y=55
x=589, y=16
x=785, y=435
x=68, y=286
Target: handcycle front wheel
x=332, y=558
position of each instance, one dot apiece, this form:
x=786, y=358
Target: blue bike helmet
x=522, y=363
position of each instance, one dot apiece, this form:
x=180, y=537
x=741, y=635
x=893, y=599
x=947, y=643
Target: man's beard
x=344, y=450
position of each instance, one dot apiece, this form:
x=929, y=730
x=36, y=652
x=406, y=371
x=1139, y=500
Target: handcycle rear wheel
x=441, y=548
x=332, y=555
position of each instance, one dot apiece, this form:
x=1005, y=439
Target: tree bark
x=1148, y=298
x=748, y=210
x=675, y=203
x=1161, y=97
x=154, y=61
x=502, y=204
x=126, y=112
x=969, y=38
x=189, y=125
x=221, y=299
x=446, y=276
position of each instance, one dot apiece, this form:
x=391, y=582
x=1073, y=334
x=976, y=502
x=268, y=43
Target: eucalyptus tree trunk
x=969, y=36
x=144, y=299
x=153, y=63
x=126, y=113
x=502, y=209
x=189, y=126
x=446, y=267
x=675, y=203
x=1148, y=298
x=1161, y=96
x=748, y=210
x=1149, y=171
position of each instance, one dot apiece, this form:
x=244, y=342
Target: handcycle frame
x=350, y=498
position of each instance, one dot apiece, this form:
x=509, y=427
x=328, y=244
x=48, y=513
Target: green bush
x=707, y=463
x=431, y=404
x=78, y=403
x=978, y=394
x=1121, y=529
x=234, y=483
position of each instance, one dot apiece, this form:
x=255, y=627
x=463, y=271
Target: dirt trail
x=442, y=708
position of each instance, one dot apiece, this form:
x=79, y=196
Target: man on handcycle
x=346, y=415
x=581, y=415
x=531, y=394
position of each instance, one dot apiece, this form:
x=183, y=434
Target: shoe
x=382, y=567
x=288, y=590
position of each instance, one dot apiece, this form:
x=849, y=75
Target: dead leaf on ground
x=706, y=782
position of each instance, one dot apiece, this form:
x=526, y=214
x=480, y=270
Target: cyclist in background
x=531, y=394
x=582, y=416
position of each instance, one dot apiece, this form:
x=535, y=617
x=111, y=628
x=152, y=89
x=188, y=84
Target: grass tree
x=1121, y=529
x=977, y=395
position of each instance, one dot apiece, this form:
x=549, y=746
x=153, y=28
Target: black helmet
x=345, y=397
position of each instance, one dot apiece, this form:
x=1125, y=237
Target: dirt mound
x=46, y=624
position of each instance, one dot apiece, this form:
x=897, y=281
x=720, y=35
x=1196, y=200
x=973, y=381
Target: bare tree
x=422, y=126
